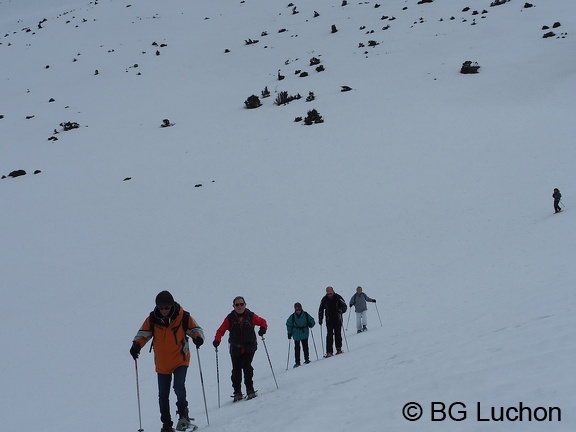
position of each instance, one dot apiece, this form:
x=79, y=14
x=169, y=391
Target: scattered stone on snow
x=17, y=173
x=313, y=117
x=252, y=102
x=469, y=67
x=69, y=125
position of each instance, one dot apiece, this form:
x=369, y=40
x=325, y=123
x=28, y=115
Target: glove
x=262, y=331
x=198, y=341
x=215, y=343
x=135, y=350
x=289, y=335
x=373, y=301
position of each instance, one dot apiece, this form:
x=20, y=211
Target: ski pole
x=348, y=322
x=378, y=314
x=288, y=359
x=314, y=342
x=138, y=395
x=322, y=340
x=271, y=368
x=202, y=382
x=218, y=377
x=345, y=339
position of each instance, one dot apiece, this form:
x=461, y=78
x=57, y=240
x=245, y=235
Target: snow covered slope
x=429, y=188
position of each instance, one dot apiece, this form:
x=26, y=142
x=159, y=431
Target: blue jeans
x=164, y=381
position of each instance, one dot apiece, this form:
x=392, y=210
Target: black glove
x=216, y=343
x=289, y=335
x=198, y=341
x=373, y=301
x=135, y=350
x=262, y=331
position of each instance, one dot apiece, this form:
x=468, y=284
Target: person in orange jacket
x=243, y=345
x=170, y=326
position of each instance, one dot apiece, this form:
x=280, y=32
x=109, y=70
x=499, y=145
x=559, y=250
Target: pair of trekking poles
x=218, y=369
x=379, y=319
x=315, y=350
x=138, y=390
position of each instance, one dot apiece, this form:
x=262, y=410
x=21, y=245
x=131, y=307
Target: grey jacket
x=359, y=302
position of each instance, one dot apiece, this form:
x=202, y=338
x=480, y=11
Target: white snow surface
x=429, y=188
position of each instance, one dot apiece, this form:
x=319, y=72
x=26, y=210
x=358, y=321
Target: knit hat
x=164, y=298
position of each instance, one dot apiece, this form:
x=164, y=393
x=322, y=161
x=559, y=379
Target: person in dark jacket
x=332, y=306
x=170, y=326
x=557, y=196
x=243, y=344
x=297, y=326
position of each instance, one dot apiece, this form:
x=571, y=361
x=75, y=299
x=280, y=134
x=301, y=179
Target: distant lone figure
x=557, y=196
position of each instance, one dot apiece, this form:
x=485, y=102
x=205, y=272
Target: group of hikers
x=170, y=327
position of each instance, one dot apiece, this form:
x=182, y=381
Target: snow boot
x=250, y=394
x=339, y=352
x=167, y=427
x=328, y=354
x=185, y=422
x=297, y=365
x=306, y=361
x=238, y=396
x=359, y=331
x=364, y=328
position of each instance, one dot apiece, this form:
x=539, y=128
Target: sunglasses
x=239, y=304
x=164, y=307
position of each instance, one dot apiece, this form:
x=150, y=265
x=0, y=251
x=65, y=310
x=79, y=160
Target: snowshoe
x=251, y=394
x=185, y=424
x=238, y=396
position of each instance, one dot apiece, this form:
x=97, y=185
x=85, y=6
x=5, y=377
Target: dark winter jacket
x=556, y=195
x=298, y=325
x=332, y=308
x=242, y=337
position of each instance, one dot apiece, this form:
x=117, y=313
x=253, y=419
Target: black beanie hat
x=164, y=298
